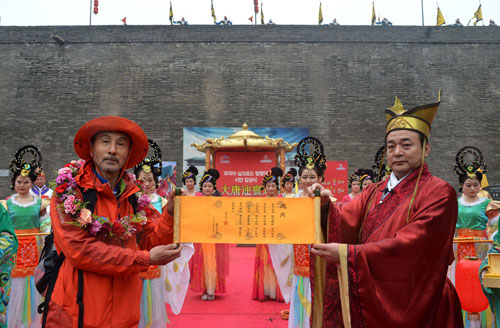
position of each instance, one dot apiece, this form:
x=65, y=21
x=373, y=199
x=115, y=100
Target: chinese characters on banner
x=241, y=173
x=336, y=178
x=256, y=220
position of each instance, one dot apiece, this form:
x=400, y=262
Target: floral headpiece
x=210, y=176
x=152, y=164
x=190, y=173
x=273, y=175
x=19, y=165
x=367, y=174
x=290, y=176
x=354, y=177
x=315, y=158
x=469, y=164
x=379, y=168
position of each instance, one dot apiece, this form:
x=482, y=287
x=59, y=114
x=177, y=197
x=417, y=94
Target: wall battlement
x=336, y=80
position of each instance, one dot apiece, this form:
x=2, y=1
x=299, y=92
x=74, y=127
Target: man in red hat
x=106, y=246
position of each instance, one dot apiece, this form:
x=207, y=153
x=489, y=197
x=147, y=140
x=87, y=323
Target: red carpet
x=234, y=309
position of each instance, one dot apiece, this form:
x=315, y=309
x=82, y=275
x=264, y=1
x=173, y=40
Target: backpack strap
x=44, y=306
x=89, y=196
x=79, y=298
x=132, y=199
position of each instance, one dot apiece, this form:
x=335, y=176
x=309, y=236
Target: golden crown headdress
x=315, y=157
x=153, y=163
x=469, y=161
x=21, y=166
x=417, y=119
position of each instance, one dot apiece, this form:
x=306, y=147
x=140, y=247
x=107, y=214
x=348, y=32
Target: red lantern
x=469, y=287
x=96, y=3
x=96, y=10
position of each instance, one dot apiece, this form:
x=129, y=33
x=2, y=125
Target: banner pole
x=317, y=217
x=177, y=207
x=33, y=234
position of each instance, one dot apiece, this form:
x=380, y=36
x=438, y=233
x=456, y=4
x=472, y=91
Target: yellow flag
x=171, y=16
x=440, y=19
x=373, y=13
x=262, y=13
x=478, y=15
x=320, y=18
x=213, y=12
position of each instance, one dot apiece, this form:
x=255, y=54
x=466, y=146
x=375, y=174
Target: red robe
x=395, y=265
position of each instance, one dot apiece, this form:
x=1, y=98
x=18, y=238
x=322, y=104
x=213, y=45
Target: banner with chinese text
x=336, y=178
x=241, y=173
x=247, y=220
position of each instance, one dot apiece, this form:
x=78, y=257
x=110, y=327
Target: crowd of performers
x=294, y=274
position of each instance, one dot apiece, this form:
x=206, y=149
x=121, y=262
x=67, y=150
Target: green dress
x=24, y=298
x=472, y=216
x=24, y=217
x=8, y=249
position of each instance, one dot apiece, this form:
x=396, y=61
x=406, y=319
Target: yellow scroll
x=247, y=220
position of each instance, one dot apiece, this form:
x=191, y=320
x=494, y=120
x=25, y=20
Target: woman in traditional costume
x=366, y=178
x=189, y=181
x=8, y=249
x=476, y=215
x=289, y=182
x=293, y=261
x=157, y=281
x=25, y=211
x=354, y=184
x=264, y=279
x=153, y=310
x=210, y=263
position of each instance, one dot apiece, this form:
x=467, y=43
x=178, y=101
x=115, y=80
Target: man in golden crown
x=389, y=248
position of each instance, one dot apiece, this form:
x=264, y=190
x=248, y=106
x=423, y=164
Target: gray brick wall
x=337, y=80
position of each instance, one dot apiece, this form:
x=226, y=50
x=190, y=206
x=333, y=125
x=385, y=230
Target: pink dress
x=265, y=285
x=347, y=198
x=209, y=267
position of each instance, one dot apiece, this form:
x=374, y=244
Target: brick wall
x=336, y=80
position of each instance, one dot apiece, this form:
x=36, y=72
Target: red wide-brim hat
x=139, y=150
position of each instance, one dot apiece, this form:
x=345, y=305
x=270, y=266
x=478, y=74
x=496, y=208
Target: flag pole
x=255, y=13
x=422, y=4
x=90, y=18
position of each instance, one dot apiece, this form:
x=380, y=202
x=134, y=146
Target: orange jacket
x=112, y=288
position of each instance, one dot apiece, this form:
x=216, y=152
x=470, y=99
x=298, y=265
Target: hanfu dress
x=209, y=268
x=8, y=249
x=24, y=298
x=265, y=285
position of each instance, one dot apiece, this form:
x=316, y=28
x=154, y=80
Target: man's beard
x=110, y=168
